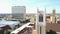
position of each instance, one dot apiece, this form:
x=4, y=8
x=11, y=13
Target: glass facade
x=19, y=12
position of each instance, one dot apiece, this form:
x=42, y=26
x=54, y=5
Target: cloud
x=5, y=5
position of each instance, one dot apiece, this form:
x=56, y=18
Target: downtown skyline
x=31, y=5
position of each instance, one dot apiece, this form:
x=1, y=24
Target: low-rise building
x=54, y=27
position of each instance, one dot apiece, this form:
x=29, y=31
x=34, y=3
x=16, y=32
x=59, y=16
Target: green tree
x=51, y=32
x=6, y=32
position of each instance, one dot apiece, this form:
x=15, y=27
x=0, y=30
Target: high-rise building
x=19, y=12
x=40, y=24
x=53, y=16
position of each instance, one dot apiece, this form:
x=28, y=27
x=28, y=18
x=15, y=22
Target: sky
x=31, y=5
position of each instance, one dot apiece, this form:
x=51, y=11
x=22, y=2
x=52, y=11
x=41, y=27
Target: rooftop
x=21, y=28
x=55, y=27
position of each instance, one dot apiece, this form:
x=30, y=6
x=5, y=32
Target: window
x=40, y=18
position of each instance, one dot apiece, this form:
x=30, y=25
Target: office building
x=19, y=12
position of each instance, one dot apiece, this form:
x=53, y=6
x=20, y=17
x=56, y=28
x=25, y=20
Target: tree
x=6, y=32
x=51, y=32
